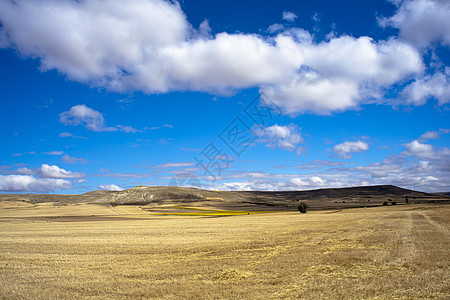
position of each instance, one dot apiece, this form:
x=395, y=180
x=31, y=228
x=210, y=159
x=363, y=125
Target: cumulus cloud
x=421, y=22
x=311, y=182
x=343, y=73
x=93, y=37
x=429, y=86
x=346, y=149
x=435, y=159
x=149, y=46
x=47, y=171
x=433, y=134
x=424, y=151
x=27, y=183
x=46, y=178
x=429, y=135
x=89, y=118
x=24, y=171
x=83, y=115
x=289, y=16
x=110, y=187
x=284, y=137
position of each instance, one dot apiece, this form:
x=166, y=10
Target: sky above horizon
x=224, y=95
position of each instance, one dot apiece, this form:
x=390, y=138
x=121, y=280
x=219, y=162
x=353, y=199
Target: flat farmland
x=118, y=252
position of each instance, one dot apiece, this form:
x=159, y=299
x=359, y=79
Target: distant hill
x=261, y=200
x=444, y=193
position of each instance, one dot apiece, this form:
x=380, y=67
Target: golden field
x=91, y=251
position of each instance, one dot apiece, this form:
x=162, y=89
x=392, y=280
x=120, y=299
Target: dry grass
x=374, y=253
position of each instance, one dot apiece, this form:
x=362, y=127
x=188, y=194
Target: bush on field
x=303, y=207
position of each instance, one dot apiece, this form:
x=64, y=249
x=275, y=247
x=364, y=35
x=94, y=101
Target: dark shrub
x=303, y=207
x=384, y=203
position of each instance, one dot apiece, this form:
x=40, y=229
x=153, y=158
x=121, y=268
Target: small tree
x=303, y=207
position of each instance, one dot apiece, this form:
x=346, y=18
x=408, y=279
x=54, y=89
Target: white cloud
x=289, y=16
x=26, y=183
x=309, y=182
x=422, y=22
x=91, y=119
x=55, y=153
x=429, y=135
x=92, y=38
x=149, y=46
x=346, y=149
x=258, y=185
x=318, y=181
x=24, y=171
x=83, y=115
x=342, y=74
x=422, y=89
x=110, y=187
x=284, y=137
x=47, y=171
x=423, y=151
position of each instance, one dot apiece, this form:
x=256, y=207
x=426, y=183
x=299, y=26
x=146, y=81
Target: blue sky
x=113, y=94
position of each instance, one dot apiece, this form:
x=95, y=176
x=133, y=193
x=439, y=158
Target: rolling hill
x=157, y=196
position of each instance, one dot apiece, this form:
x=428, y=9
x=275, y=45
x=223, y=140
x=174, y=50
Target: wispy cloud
x=158, y=127
x=67, y=134
x=55, y=153
x=289, y=16
x=174, y=165
x=20, y=154
x=74, y=160
x=128, y=129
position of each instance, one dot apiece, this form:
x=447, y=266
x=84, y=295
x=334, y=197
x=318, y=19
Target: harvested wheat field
x=101, y=252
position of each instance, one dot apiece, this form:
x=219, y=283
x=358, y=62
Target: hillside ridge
x=281, y=200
